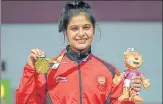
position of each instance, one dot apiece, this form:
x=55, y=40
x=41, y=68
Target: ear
x=65, y=33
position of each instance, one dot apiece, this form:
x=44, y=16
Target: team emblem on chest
x=101, y=80
x=102, y=83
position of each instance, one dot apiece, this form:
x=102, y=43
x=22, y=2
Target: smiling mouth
x=81, y=41
x=136, y=63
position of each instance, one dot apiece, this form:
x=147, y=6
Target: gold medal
x=42, y=65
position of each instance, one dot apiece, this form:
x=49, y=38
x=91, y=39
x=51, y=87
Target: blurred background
x=34, y=24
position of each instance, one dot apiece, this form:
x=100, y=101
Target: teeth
x=80, y=39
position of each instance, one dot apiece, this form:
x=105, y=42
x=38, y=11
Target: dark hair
x=74, y=8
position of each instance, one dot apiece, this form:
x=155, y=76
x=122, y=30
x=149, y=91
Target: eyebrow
x=87, y=25
x=77, y=25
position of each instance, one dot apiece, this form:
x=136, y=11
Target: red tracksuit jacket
x=79, y=79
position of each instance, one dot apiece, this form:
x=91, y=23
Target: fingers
x=136, y=80
x=32, y=55
x=136, y=83
x=116, y=81
x=137, y=89
x=37, y=52
x=136, y=77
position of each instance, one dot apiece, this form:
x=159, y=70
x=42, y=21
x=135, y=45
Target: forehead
x=80, y=19
x=133, y=53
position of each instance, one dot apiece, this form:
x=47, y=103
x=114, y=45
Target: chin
x=81, y=47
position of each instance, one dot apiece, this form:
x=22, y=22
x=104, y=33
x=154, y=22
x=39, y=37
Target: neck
x=77, y=55
x=79, y=51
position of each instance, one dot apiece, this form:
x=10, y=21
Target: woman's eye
x=86, y=28
x=74, y=28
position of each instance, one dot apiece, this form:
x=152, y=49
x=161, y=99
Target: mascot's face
x=133, y=59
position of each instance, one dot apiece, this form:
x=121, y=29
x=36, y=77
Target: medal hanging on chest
x=43, y=64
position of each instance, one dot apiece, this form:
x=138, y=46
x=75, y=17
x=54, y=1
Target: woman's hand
x=136, y=83
x=34, y=54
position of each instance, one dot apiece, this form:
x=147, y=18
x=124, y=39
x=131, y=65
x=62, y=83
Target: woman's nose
x=81, y=32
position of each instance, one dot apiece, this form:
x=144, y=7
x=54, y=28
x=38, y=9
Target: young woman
x=80, y=77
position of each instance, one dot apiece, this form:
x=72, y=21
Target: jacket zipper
x=47, y=96
x=108, y=98
x=80, y=80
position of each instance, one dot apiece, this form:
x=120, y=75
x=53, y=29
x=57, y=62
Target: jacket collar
x=77, y=56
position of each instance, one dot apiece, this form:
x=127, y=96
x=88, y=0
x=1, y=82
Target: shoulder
x=110, y=66
x=62, y=52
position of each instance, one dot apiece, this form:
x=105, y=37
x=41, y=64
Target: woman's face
x=80, y=32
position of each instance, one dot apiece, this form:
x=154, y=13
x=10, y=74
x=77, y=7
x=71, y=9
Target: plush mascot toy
x=133, y=61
